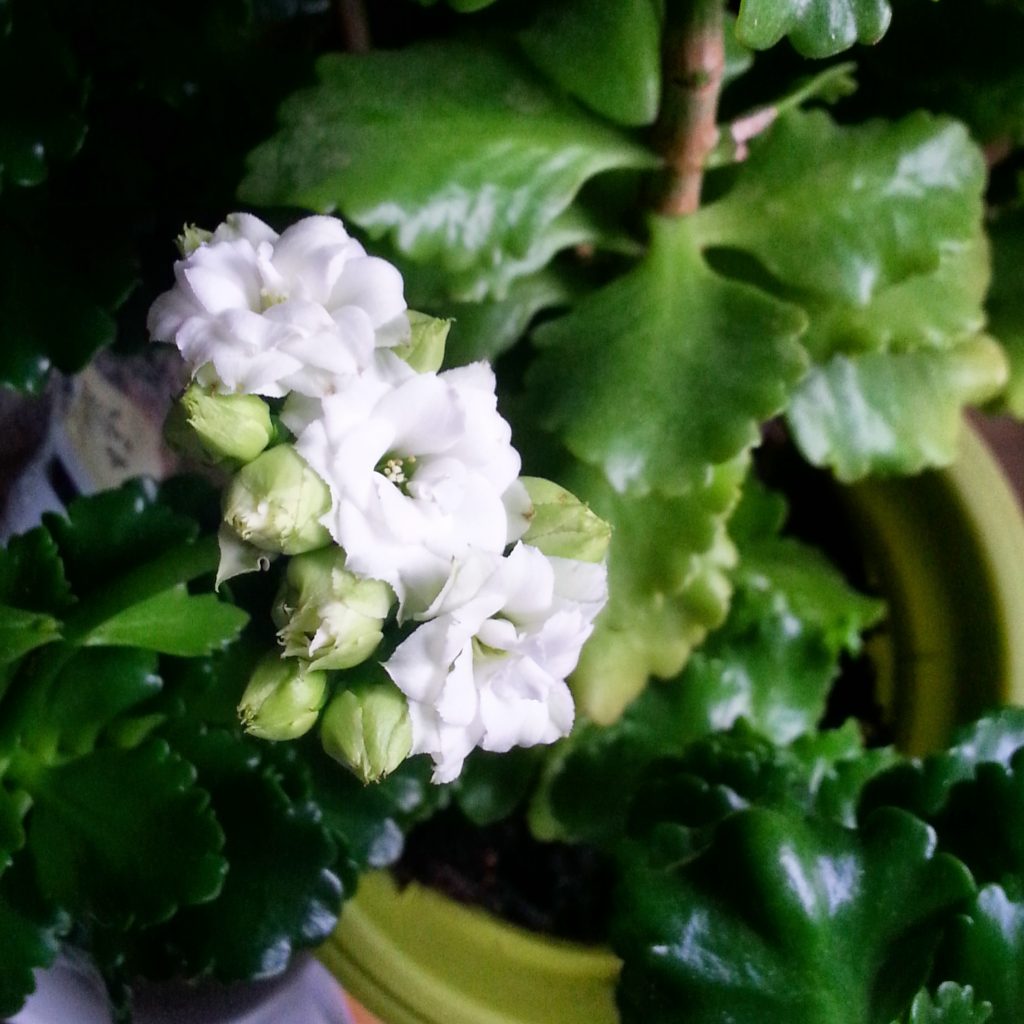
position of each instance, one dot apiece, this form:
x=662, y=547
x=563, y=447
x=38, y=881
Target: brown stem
x=686, y=132
x=354, y=28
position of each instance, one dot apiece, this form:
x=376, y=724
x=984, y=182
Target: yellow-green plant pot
x=946, y=549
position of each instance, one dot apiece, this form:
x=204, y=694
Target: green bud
x=562, y=526
x=424, y=351
x=276, y=503
x=191, y=238
x=327, y=615
x=367, y=728
x=227, y=426
x=282, y=700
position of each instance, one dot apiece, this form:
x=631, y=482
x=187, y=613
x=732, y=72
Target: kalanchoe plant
x=663, y=238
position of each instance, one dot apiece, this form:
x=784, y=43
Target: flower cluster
x=395, y=489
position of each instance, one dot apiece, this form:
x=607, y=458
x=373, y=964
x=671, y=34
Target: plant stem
x=686, y=132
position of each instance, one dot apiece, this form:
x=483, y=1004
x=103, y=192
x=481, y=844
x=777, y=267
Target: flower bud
x=424, y=351
x=368, y=729
x=327, y=615
x=276, y=502
x=191, y=238
x=562, y=526
x=228, y=426
x=282, y=700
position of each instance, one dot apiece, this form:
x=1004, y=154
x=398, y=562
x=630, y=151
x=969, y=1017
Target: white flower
x=419, y=467
x=488, y=669
x=258, y=313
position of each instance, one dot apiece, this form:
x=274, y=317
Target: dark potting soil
x=553, y=888
x=565, y=890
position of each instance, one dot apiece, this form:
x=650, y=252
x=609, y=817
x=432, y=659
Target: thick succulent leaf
x=932, y=310
x=492, y=786
x=892, y=412
x=1006, y=301
x=816, y=28
x=21, y=632
x=680, y=328
x=282, y=892
x=489, y=157
x=985, y=949
x=32, y=574
x=784, y=920
x=996, y=737
x=952, y=1004
x=668, y=583
x=842, y=212
x=174, y=622
x=30, y=934
x=133, y=859
x=110, y=533
x=576, y=42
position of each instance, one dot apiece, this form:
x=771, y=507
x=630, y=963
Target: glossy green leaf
x=136, y=858
x=282, y=892
x=1006, y=301
x=174, y=622
x=816, y=28
x=32, y=574
x=21, y=632
x=952, y=1004
x=678, y=327
x=30, y=935
x=995, y=737
x=785, y=920
x=454, y=151
x=892, y=412
x=668, y=583
x=985, y=949
x=843, y=212
x=94, y=689
x=576, y=42
x=492, y=786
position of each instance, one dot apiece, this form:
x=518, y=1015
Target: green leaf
x=136, y=858
x=985, y=949
x=677, y=326
x=843, y=212
x=282, y=892
x=453, y=150
x=21, y=632
x=816, y=28
x=30, y=934
x=577, y=42
x=174, y=622
x=1006, y=301
x=892, y=412
x=110, y=533
x=785, y=920
x=952, y=1005
x=668, y=582
x=492, y=786
x=32, y=574
x=95, y=688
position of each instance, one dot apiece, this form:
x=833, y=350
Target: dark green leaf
x=30, y=933
x=842, y=212
x=21, y=632
x=94, y=689
x=174, y=622
x=134, y=858
x=32, y=574
x=577, y=43
x=985, y=949
x=816, y=28
x=677, y=326
x=951, y=1005
x=892, y=412
x=784, y=920
x=454, y=151
x=492, y=786
x=1006, y=300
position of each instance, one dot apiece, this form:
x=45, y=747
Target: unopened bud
x=562, y=526
x=367, y=728
x=235, y=427
x=191, y=238
x=327, y=615
x=424, y=351
x=282, y=700
x=276, y=502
